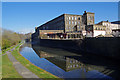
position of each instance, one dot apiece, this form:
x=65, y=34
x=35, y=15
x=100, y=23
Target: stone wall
x=109, y=46
x=106, y=46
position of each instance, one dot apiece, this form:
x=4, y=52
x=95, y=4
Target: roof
x=51, y=20
x=56, y=18
x=103, y=22
x=73, y=14
x=90, y=13
x=116, y=22
x=61, y=16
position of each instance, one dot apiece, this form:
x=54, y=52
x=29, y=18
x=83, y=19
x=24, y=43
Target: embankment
x=109, y=46
x=105, y=46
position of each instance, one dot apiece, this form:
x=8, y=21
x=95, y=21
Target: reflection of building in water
x=77, y=63
x=64, y=62
x=67, y=63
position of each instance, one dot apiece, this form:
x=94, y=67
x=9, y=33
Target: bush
x=19, y=41
x=9, y=38
x=5, y=44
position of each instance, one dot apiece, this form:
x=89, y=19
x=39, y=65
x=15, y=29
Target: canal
x=69, y=65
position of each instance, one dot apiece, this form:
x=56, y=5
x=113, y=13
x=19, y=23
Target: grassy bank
x=8, y=70
x=38, y=71
x=3, y=51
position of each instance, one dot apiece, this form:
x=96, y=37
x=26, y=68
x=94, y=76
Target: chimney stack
x=84, y=13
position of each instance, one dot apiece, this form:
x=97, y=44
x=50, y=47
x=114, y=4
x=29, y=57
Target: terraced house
x=67, y=26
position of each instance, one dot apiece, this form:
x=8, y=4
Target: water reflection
x=70, y=65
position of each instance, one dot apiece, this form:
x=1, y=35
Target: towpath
x=22, y=70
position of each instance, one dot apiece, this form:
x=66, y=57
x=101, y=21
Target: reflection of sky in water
x=43, y=63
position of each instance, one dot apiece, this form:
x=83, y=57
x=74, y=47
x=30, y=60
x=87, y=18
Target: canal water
x=69, y=65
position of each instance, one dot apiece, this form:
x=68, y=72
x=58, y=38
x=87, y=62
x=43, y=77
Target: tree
x=9, y=38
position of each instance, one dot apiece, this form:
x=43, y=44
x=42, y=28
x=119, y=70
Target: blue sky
x=25, y=16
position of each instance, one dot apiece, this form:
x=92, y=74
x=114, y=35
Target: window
x=79, y=18
x=69, y=22
x=43, y=28
x=68, y=66
x=69, y=28
x=73, y=61
x=75, y=23
x=82, y=27
x=72, y=18
x=70, y=61
x=75, y=18
x=76, y=61
x=96, y=29
x=73, y=65
x=77, y=65
x=92, y=17
x=89, y=17
x=69, y=18
x=72, y=22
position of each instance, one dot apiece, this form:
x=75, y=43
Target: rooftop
x=115, y=22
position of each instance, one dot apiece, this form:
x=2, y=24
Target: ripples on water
x=66, y=64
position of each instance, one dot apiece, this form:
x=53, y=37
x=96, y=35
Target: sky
x=23, y=17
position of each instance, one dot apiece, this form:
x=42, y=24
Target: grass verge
x=3, y=51
x=8, y=70
x=36, y=70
